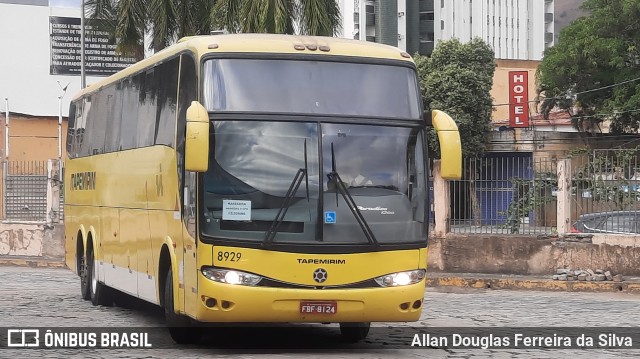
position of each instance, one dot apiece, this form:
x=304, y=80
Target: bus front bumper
x=221, y=302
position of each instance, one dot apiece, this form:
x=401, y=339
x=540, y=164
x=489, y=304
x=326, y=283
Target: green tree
x=598, y=51
x=457, y=79
x=529, y=195
x=167, y=21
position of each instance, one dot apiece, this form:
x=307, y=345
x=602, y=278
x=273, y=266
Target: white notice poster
x=233, y=210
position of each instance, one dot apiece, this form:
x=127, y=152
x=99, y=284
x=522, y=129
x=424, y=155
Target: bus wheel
x=180, y=327
x=100, y=293
x=85, y=277
x=354, y=332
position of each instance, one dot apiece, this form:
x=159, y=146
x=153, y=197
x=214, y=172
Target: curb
x=32, y=262
x=532, y=284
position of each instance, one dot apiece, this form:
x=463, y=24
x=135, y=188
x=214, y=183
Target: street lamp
x=64, y=91
x=5, y=163
x=6, y=129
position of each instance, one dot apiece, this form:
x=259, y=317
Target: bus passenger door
x=189, y=242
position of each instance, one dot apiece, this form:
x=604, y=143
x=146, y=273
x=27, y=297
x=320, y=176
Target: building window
x=441, y=24
x=442, y=3
x=426, y=16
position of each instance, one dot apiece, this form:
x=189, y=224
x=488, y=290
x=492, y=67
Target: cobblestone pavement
x=39, y=297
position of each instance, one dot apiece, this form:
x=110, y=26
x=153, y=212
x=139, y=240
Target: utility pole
x=83, y=82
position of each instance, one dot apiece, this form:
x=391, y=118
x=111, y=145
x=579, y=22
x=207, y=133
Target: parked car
x=615, y=222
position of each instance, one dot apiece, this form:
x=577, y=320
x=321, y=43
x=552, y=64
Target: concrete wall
x=32, y=138
x=454, y=253
x=527, y=255
x=32, y=240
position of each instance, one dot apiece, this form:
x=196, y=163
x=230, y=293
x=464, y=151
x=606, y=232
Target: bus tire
x=354, y=332
x=85, y=276
x=180, y=327
x=100, y=294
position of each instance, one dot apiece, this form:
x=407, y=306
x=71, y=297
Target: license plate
x=318, y=307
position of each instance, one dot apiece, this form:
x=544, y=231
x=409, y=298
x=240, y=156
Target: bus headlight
x=230, y=276
x=401, y=278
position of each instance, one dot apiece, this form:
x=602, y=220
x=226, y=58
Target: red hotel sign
x=518, y=99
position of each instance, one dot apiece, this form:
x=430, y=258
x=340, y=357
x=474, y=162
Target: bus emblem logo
x=320, y=275
x=329, y=217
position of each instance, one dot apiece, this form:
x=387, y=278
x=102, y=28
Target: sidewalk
x=521, y=282
x=438, y=279
x=28, y=261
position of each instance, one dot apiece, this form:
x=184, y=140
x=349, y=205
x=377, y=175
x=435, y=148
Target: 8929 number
x=229, y=256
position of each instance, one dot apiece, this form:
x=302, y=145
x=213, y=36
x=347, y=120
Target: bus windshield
x=310, y=87
x=254, y=173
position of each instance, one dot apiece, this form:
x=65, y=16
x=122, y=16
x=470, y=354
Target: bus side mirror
x=450, y=145
x=196, y=146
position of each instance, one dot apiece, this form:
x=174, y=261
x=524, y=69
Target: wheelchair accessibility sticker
x=329, y=217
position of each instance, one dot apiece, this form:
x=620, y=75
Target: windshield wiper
x=293, y=188
x=351, y=203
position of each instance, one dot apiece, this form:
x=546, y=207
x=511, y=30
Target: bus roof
x=259, y=43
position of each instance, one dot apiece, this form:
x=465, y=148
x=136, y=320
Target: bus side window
x=129, y=124
x=99, y=117
x=186, y=93
x=166, y=86
x=147, y=104
x=74, y=110
x=114, y=114
x=83, y=128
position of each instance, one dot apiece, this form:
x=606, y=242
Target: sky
x=65, y=3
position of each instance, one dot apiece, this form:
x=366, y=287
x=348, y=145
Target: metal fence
x=508, y=194
x=607, y=181
x=25, y=187
x=25, y=190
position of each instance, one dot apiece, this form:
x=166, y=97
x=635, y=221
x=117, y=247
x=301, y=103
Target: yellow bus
x=256, y=178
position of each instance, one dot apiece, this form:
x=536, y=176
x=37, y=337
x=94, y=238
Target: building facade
x=28, y=82
x=515, y=29
x=40, y=73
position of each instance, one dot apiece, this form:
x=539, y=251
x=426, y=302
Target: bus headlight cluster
x=230, y=276
x=401, y=278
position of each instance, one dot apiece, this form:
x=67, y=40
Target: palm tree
x=309, y=17
x=166, y=20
